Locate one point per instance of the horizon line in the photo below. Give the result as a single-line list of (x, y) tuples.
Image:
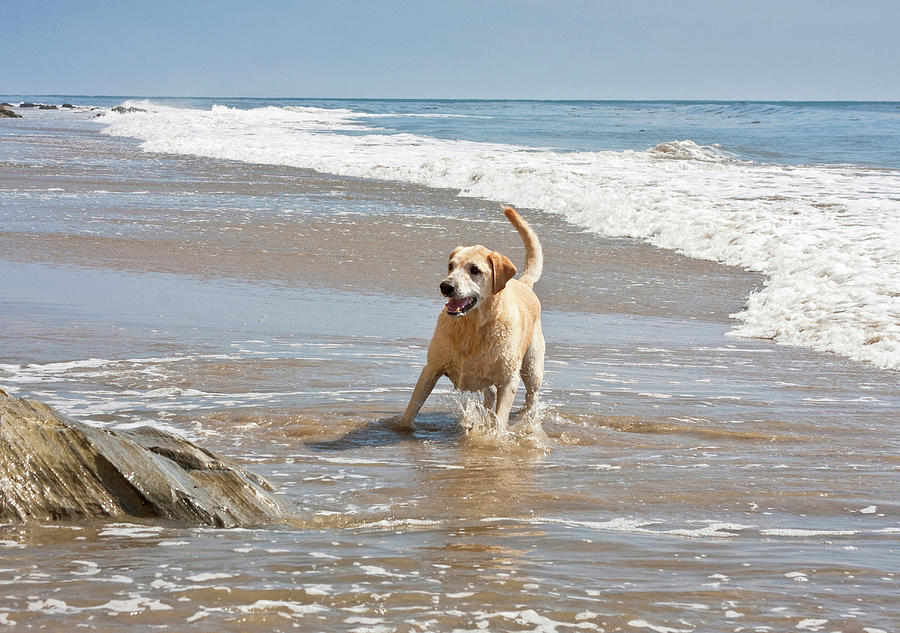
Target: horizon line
[(485, 99)]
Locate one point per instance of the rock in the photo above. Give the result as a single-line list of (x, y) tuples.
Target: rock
[(28, 104), (68, 106), (8, 114), (128, 110), (44, 106), (53, 467), (5, 105)]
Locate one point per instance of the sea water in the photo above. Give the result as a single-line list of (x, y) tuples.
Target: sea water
[(805, 193), (184, 267)]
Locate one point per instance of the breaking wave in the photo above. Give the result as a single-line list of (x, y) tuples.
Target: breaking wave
[(825, 237)]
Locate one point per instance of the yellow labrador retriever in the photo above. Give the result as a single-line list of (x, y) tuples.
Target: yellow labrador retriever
[(489, 333)]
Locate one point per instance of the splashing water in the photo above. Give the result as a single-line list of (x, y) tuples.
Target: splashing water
[(482, 429)]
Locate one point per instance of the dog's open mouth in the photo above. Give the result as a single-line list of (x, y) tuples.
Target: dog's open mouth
[(458, 307)]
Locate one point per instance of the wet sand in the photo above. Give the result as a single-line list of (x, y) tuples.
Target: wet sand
[(689, 481), (337, 233)]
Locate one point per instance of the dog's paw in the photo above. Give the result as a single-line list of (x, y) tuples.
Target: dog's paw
[(396, 422)]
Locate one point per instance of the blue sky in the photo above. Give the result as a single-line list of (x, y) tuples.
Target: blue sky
[(564, 49)]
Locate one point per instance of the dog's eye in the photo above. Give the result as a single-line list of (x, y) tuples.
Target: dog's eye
[(450, 267), (475, 270)]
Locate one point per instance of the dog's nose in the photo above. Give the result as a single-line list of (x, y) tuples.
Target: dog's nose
[(447, 288)]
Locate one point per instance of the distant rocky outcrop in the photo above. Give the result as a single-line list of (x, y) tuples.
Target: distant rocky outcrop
[(53, 467), (128, 110), (6, 113), (38, 106)]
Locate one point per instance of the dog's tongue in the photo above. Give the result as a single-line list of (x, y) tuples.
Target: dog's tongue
[(455, 305)]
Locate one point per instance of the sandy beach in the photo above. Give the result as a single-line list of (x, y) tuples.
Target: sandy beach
[(688, 480)]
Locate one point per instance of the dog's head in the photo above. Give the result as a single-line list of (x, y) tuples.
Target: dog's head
[(474, 274)]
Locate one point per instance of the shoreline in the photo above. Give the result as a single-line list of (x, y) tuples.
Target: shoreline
[(794, 300), (586, 272)]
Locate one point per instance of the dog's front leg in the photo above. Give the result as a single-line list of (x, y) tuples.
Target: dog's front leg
[(427, 380), (506, 394)]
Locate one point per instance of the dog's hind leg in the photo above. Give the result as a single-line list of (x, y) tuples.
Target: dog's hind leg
[(490, 398), (533, 368)]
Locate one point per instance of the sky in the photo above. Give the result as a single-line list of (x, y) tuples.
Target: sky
[(455, 49)]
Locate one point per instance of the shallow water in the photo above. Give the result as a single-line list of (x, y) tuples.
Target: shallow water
[(688, 480)]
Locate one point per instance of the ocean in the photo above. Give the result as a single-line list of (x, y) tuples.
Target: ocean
[(717, 445), (805, 193)]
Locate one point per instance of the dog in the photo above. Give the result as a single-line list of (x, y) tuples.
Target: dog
[(489, 332)]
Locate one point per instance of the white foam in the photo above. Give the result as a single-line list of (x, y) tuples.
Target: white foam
[(405, 524), (91, 568), (825, 237), (206, 577), (130, 530), (287, 609), (52, 606), (375, 570), (801, 533), (707, 529), (135, 604), (282, 606), (52, 368), (712, 529), (355, 461), (539, 622), (658, 628)]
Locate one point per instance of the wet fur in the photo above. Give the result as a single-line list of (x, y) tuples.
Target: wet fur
[(499, 339)]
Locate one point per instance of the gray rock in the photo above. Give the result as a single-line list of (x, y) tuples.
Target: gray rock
[(8, 114), (53, 467), (128, 110)]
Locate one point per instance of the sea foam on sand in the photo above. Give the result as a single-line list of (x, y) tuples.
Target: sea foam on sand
[(825, 237)]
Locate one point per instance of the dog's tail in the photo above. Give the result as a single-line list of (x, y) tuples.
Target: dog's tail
[(534, 254)]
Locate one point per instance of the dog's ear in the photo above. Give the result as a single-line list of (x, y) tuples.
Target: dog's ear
[(503, 270)]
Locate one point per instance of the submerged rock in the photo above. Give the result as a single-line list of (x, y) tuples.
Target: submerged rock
[(8, 114), (52, 467)]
